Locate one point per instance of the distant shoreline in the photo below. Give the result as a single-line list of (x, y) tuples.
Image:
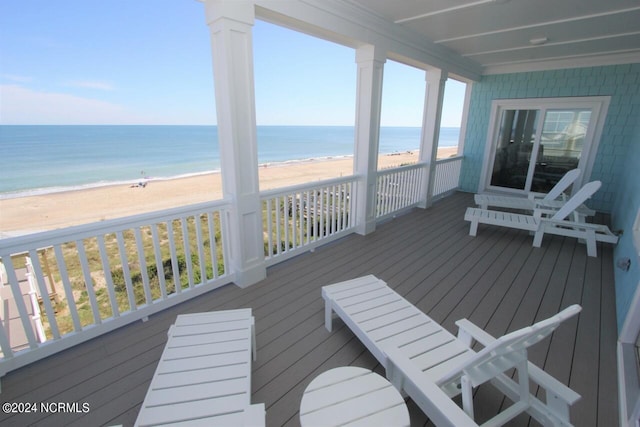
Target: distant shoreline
[(28, 214), (149, 179), (43, 159)]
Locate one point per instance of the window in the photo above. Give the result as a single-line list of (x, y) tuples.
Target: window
[(534, 142)]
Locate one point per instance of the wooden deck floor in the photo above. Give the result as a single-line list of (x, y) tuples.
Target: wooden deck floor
[(497, 280)]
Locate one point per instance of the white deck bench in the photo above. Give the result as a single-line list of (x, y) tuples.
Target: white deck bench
[(204, 374)]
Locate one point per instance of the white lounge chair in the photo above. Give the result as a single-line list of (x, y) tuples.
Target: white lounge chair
[(548, 221), (204, 373), (431, 365), (553, 200)]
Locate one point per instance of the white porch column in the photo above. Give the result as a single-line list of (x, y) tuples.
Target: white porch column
[(230, 24), (370, 60), (434, 96)]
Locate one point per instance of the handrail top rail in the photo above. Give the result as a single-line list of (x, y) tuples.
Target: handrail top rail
[(450, 159), (417, 165), (283, 191), (42, 239)]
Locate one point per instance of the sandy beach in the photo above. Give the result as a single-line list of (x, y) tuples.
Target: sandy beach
[(58, 210)]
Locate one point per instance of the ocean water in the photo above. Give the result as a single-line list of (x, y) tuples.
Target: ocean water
[(42, 159)]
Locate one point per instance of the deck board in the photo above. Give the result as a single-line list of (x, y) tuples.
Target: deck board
[(497, 280)]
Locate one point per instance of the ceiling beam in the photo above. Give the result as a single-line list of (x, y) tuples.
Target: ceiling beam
[(446, 10), (539, 24)]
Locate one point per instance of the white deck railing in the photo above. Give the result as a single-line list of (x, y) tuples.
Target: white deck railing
[(302, 217), (447, 176), (70, 285), (94, 278), (399, 188)]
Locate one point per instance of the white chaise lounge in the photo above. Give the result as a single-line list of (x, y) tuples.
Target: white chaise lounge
[(553, 200), (551, 222), (204, 373), (431, 365)]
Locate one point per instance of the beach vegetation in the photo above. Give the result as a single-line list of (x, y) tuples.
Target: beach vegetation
[(294, 221), (130, 265), (121, 271)]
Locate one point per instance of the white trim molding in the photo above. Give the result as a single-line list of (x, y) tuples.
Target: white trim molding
[(598, 105), (629, 366)]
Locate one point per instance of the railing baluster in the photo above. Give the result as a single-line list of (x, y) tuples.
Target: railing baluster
[(159, 263), (396, 189), (269, 221), (106, 268), (278, 231), (315, 215), (334, 209), (88, 280), (349, 204), (199, 241), (184, 222), (33, 299), (68, 291), (44, 292), (287, 223), (125, 271), (5, 345), (224, 236), (293, 221), (344, 200), (19, 301), (385, 199), (175, 270), (307, 215), (143, 266), (213, 246), (323, 226), (301, 219)]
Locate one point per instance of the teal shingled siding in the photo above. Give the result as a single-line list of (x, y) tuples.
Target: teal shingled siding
[(617, 162)]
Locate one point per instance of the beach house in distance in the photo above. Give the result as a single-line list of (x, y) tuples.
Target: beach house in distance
[(552, 85)]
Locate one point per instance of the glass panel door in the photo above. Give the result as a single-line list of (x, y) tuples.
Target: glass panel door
[(561, 144), (533, 142), (514, 146)]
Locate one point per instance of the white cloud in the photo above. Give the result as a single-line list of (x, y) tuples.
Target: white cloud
[(20, 105), (17, 78)]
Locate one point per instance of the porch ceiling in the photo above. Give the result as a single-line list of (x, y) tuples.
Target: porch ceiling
[(514, 35)]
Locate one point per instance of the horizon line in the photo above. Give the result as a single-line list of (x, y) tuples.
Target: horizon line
[(210, 125)]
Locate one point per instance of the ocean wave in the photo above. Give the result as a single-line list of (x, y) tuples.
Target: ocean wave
[(56, 159), (150, 179), (147, 179), (99, 184)]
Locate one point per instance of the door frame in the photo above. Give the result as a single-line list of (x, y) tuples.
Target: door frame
[(598, 105)]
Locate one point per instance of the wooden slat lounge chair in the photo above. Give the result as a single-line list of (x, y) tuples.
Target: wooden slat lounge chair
[(204, 373), (431, 365), (553, 200), (545, 221)]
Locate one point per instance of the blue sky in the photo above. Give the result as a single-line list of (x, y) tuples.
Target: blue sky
[(149, 62)]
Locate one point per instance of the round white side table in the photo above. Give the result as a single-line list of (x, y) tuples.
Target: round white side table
[(352, 396)]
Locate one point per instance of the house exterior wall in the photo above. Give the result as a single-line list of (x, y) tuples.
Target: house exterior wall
[(625, 208), (621, 82), (618, 157)]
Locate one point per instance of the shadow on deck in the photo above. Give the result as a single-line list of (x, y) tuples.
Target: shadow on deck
[(497, 280)]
